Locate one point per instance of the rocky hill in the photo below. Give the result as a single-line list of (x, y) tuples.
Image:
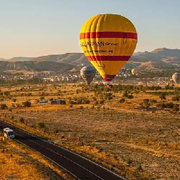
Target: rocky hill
[(161, 58), (21, 58), (34, 66), (68, 58), (158, 59)]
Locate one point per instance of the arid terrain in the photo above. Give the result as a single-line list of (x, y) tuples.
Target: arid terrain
[(133, 130), (19, 162), (160, 59)]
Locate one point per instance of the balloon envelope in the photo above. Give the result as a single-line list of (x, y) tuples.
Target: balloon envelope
[(88, 73), (134, 72), (108, 41), (176, 78)]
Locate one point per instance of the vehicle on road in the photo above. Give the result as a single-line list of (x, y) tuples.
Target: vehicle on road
[(8, 133)]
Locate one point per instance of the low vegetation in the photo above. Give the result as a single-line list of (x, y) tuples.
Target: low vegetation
[(133, 130), (18, 162)]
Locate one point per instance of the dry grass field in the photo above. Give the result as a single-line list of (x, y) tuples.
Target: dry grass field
[(134, 137), (18, 162)]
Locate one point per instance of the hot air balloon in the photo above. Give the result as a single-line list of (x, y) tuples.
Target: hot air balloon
[(88, 73), (108, 41), (134, 72), (176, 78)]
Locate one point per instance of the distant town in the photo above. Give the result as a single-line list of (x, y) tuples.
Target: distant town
[(123, 77)]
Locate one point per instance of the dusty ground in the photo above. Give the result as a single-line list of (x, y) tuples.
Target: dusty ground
[(139, 145), (18, 162), (136, 144)]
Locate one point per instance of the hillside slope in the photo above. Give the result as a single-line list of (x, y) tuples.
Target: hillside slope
[(159, 59), (34, 66)]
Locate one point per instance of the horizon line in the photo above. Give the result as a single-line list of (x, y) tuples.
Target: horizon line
[(77, 53)]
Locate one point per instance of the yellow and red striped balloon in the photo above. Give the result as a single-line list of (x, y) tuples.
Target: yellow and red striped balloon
[(108, 41)]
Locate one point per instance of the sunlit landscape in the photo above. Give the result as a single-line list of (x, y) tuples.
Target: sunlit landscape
[(89, 90), (127, 128)]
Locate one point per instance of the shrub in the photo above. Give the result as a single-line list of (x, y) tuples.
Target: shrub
[(122, 100), (33, 126), (10, 109), (125, 94), (161, 105), (108, 96), (72, 102), (176, 107), (152, 101), (139, 167), (129, 161), (41, 98), (13, 106), (26, 104), (6, 93), (41, 125), (169, 87), (86, 101), (162, 96), (56, 131), (78, 91), (96, 103), (169, 105), (176, 98), (21, 120), (3, 106), (102, 101), (130, 96), (146, 102)]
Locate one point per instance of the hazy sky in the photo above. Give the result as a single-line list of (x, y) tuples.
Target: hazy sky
[(41, 27)]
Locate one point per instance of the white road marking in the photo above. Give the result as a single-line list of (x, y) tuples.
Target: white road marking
[(72, 153), (64, 157)]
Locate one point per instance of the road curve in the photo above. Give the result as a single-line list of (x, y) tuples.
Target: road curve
[(78, 166)]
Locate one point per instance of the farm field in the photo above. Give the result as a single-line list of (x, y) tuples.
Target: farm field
[(133, 130)]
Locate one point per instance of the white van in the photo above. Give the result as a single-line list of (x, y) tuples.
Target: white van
[(8, 133)]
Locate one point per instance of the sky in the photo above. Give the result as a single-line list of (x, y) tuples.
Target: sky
[(32, 28)]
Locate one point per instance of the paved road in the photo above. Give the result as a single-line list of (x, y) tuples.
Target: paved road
[(78, 166)]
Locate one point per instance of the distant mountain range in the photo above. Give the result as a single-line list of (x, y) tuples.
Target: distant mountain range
[(159, 59), (34, 66), (17, 59)]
